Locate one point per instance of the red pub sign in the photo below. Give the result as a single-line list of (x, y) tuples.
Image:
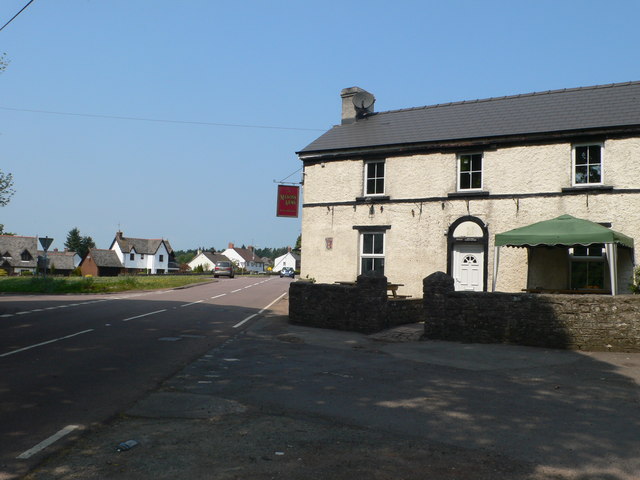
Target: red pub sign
[(287, 201)]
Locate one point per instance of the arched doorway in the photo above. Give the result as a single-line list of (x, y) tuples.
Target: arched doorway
[(467, 253)]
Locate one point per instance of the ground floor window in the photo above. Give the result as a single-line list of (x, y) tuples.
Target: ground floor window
[(372, 252), (588, 267)]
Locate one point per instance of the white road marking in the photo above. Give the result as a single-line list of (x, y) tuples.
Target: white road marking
[(260, 312), (218, 296), (144, 315), (6, 315), (192, 303), (234, 291), (49, 441), (45, 343), (245, 320), (22, 313)]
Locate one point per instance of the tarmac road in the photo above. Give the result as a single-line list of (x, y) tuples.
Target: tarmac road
[(70, 362), (280, 401)]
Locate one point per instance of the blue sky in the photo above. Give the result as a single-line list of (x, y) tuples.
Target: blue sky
[(275, 70)]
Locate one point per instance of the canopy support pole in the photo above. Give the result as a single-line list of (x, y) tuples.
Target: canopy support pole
[(496, 260), (611, 250)]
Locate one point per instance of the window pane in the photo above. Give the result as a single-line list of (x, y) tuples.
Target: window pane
[(371, 186), (594, 174), (378, 243), (465, 163), (465, 180), (581, 155), (371, 170), (581, 174), (476, 163), (367, 265), (579, 274), (367, 243), (594, 154), (379, 185), (476, 180), (596, 274)]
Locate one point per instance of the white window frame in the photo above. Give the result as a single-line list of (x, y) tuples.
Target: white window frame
[(460, 172), (367, 178), (371, 255), (573, 164)]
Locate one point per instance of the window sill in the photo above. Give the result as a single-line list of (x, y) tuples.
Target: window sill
[(470, 193), (372, 198), (587, 188)]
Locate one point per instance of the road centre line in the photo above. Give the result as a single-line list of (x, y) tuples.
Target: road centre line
[(192, 303), (218, 296), (245, 320), (144, 315), (259, 313), (45, 343), (234, 291), (49, 441)]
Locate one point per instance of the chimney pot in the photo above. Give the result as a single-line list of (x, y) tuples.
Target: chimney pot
[(231, 245)]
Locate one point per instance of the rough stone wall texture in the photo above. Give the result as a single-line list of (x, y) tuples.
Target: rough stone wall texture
[(583, 322), (363, 307)]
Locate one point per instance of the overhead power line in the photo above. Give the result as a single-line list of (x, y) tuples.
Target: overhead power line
[(161, 120), (12, 18)]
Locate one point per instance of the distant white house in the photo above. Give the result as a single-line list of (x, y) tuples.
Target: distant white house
[(245, 258), (207, 260), (287, 260), (143, 255)]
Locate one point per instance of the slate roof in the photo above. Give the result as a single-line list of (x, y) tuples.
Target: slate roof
[(14, 245), (104, 258), (61, 260), (600, 106), (215, 257), (248, 255), (148, 246)]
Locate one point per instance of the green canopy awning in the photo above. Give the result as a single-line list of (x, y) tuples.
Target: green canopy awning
[(564, 230)]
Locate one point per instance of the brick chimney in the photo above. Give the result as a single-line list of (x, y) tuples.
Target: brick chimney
[(231, 245), (119, 235), (289, 249), (351, 113)]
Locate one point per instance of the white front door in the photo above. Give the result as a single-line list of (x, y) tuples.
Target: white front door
[(468, 267)]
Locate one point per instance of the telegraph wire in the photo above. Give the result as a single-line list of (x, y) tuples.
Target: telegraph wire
[(160, 120), (12, 18)]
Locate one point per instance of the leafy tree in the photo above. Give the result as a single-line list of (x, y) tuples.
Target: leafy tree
[(298, 243), (2, 232), (77, 243), (6, 188)]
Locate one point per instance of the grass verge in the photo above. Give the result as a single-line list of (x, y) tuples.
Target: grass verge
[(93, 284)]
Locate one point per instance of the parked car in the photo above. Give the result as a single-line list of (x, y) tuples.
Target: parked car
[(287, 272), (223, 268)]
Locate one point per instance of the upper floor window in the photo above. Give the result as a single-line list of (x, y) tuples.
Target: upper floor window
[(470, 171), (374, 178), (372, 252), (162, 258), (25, 256), (141, 256), (587, 164), (132, 256)]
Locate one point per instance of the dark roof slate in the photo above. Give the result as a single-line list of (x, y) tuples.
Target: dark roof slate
[(141, 245), (14, 245), (614, 105), (104, 258), (61, 260)]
